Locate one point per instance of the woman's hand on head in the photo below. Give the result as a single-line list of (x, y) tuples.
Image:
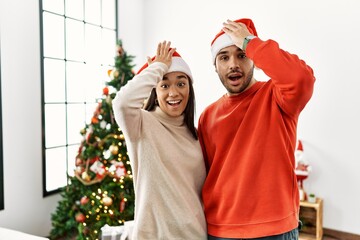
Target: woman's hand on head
[(163, 54)]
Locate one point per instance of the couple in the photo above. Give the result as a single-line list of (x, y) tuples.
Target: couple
[(232, 177)]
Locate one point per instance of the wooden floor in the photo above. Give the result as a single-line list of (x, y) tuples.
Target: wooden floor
[(330, 238), (307, 237)]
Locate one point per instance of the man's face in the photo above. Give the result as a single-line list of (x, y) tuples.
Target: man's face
[(235, 70)]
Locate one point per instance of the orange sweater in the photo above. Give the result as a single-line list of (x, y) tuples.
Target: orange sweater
[(248, 143)]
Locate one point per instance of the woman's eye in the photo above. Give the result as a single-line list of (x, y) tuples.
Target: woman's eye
[(181, 84), (164, 86)]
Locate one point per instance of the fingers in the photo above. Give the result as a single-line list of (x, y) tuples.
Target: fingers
[(237, 31), (163, 48), (164, 53), (233, 26)]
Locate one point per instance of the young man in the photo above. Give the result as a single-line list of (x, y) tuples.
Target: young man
[(248, 137)]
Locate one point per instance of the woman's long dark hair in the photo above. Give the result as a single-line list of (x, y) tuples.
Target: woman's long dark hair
[(189, 112)]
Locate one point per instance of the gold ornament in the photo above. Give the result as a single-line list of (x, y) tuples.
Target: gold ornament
[(116, 73), (107, 201), (85, 176), (114, 149)]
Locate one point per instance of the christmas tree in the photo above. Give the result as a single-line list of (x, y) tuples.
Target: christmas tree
[(101, 190)]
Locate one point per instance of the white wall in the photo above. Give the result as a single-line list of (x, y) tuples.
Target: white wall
[(325, 33), (131, 28), (25, 208)]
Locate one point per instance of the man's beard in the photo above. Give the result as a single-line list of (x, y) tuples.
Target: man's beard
[(245, 84)]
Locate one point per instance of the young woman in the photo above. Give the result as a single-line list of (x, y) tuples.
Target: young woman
[(165, 154)]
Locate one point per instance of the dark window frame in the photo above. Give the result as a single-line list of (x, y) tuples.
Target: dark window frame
[(44, 175)]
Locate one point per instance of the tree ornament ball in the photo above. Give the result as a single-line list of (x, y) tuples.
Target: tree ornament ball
[(114, 149), (80, 217), (107, 201), (106, 91), (116, 73), (84, 200), (85, 176), (83, 131), (86, 231)]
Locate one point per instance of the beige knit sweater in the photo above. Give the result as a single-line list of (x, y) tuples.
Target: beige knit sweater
[(167, 164)]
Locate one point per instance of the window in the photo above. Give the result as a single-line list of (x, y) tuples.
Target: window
[(1, 150), (78, 39)]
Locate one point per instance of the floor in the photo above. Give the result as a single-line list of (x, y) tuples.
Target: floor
[(329, 238), (306, 237)]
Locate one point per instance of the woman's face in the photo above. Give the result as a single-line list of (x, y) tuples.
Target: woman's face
[(173, 93)]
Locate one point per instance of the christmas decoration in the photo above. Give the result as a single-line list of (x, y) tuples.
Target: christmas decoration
[(84, 200), (79, 217), (101, 190), (302, 169), (107, 201)]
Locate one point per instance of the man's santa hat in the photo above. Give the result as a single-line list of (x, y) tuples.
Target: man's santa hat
[(222, 40), (177, 65)]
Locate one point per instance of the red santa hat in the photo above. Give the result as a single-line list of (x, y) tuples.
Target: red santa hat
[(222, 40), (177, 65)]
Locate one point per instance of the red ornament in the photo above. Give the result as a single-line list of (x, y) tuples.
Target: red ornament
[(80, 217), (84, 200), (122, 205), (106, 91), (94, 120)]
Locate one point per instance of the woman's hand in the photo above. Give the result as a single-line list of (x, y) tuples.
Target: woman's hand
[(163, 53)]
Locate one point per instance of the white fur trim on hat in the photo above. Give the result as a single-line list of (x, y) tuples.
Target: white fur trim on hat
[(221, 42), (179, 65)]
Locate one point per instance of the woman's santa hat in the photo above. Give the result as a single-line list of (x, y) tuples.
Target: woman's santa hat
[(177, 65), (222, 40)]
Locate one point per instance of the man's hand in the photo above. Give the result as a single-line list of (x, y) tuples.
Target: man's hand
[(237, 32), (163, 54)]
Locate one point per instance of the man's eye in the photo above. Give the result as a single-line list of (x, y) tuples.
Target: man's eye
[(242, 56), (223, 58)]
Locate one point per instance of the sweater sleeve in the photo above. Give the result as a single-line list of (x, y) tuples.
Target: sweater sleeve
[(292, 78), (129, 101)]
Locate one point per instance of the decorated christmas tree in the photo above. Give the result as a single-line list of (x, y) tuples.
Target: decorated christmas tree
[(101, 190)]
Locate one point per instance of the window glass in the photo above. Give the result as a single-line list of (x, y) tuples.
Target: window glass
[(74, 40), (55, 6), (53, 34), (54, 80), (76, 121), (55, 168), (108, 14), (92, 11), (75, 9), (76, 77), (55, 125)]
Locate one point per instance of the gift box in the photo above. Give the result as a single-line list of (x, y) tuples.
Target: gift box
[(111, 232)]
